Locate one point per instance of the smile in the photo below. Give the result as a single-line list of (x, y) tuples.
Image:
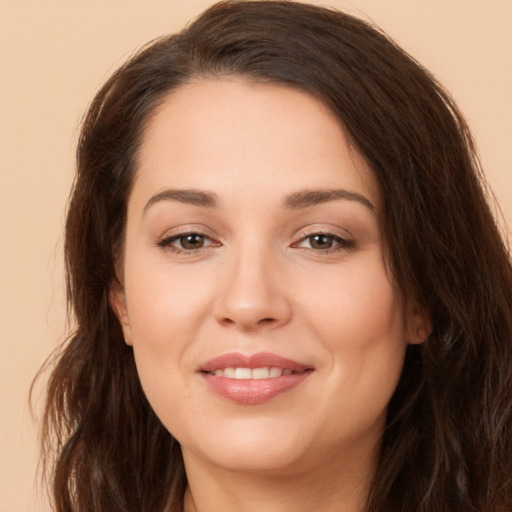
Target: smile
[(248, 373), (251, 380)]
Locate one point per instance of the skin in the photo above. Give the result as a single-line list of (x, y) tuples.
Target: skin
[(256, 281)]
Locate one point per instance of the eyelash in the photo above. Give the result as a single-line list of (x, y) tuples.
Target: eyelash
[(341, 244), (166, 243)]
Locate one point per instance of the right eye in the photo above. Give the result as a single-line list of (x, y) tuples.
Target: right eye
[(186, 242)]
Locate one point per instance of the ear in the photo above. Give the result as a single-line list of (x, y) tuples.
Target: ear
[(419, 323), (117, 300)]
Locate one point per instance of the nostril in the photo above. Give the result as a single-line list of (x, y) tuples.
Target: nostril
[(266, 320), (247, 324)]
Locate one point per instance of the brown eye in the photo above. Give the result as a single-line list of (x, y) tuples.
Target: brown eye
[(191, 241), (187, 242), (324, 243), (321, 241)]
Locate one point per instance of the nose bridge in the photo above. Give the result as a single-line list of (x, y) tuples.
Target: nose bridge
[(253, 295)]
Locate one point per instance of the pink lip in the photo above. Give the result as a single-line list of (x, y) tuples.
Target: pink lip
[(253, 391), (260, 360)]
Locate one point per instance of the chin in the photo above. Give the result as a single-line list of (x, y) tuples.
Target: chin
[(256, 447)]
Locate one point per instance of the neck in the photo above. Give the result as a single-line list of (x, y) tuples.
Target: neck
[(334, 486)]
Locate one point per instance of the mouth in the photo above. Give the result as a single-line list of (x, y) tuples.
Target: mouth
[(250, 380), (253, 373)]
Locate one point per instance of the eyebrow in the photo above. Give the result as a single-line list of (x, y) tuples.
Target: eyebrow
[(295, 201), (186, 196), (308, 198)]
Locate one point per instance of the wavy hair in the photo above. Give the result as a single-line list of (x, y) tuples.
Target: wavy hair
[(447, 446)]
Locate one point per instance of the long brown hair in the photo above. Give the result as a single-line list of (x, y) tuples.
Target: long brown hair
[(448, 442)]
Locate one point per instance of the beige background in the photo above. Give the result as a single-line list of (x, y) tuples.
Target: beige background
[(55, 54)]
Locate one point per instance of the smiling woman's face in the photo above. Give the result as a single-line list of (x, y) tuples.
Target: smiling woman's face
[(265, 328)]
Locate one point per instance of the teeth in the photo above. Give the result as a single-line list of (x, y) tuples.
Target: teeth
[(242, 373), (248, 373), (229, 372), (276, 372), (260, 373)]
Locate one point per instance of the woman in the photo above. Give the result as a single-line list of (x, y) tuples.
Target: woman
[(289, 289)]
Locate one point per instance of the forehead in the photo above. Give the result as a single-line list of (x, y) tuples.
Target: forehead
[(247, 138)]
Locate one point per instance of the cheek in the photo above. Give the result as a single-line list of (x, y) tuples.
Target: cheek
[(160, 338), (165, 308), (164, 304), (357, 307), (359, 321)]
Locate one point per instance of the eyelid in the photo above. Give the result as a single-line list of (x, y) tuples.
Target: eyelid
[(323, 229), (165, 241), (344, 242), (169, 239)]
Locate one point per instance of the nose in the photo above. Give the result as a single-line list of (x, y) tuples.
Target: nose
[(253, 293)]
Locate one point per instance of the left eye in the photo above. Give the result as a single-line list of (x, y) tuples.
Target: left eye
[(187, 241), (322, 242)]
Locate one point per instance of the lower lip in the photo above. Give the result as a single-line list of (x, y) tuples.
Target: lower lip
[(253, 391)]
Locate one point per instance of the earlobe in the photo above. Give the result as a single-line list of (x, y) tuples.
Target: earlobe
[(117, 300), (419, 324)]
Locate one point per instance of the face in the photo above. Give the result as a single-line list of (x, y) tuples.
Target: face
[(266, 331)]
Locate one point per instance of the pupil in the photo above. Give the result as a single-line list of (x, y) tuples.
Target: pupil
[(321, 242), (192, 241)]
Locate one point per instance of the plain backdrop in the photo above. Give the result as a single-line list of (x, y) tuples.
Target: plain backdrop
[(54, 54)]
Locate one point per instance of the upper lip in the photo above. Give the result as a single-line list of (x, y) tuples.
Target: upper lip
[(259, 360)]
